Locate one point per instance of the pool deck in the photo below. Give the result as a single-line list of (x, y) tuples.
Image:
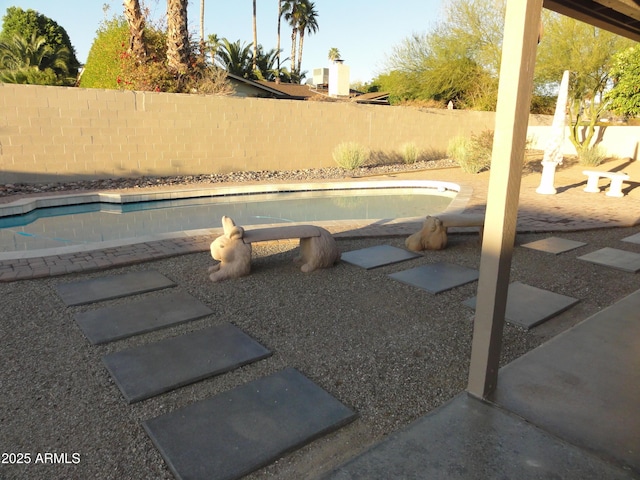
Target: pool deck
[(571, 209)]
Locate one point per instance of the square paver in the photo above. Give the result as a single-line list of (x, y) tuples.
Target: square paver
[(236, 432), (149, 370), (632, 239), (436, 277), (113, 323), (614, 258), (529, 306), (554, 245), (115, 286), (377, 256)]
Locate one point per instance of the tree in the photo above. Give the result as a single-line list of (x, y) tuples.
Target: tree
[(458, 60), (588, 53), (34, 61), (624, 97), (28, 23), (255, 38), (278, 40), (309, 24), (135, 19), (334, 54), (178, 48), (236, 58), (203, 43), (291, 12)]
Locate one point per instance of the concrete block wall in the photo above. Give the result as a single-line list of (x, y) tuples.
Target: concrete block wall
[(61, 134)]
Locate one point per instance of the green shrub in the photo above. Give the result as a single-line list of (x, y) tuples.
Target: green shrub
[(350, 155), (592, 157), (473, 154), (410, 153), (104, 63)]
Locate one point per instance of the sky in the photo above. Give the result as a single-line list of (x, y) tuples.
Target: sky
[(364, 32)]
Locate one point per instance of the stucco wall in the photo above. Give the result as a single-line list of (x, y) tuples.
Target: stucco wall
[(50, 134)]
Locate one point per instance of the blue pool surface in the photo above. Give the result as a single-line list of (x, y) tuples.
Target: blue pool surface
[(89, 223)]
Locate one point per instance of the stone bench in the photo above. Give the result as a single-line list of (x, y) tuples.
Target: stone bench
[(433, 235), (318, 248), (615, 188)]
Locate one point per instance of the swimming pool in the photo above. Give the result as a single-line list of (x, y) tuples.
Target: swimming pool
[(93, 219)]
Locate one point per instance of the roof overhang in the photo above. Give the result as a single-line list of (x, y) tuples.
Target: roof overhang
[(618, 16)]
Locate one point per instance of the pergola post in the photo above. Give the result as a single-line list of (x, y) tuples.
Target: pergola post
[(520, 39)]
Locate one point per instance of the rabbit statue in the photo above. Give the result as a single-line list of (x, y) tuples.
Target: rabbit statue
[(230, 250)]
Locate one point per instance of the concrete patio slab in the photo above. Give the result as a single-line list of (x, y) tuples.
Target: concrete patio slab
[(583, 385), (107, 324), (98, 289), (236, 432), (632, 239), (470, 439), (436, 277), (149, 370), (377, 256), (554, 245), (529, 306), (614, 258)]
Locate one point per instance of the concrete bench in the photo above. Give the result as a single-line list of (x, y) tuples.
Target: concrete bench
[(615, 188), (318, 248), (433, 235)]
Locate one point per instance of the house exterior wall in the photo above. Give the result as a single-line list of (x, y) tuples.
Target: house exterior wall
[(61, 134)]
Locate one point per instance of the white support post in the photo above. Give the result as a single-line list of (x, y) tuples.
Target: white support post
[(522, 27)]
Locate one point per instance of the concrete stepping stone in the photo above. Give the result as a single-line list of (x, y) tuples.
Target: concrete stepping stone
[(236, 432), (583, 385), (436, 277), (469, 438), (114, 323), (632, 239), (614, 258), (377, 256), (116, 286), (149, 370), (554, 245), (529, 306)]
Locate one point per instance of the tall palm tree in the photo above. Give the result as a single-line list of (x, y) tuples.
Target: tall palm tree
[(308, 23), (203, 43), (291, 12), (255, 38), (278, 42), (135, 19), (177, 36)]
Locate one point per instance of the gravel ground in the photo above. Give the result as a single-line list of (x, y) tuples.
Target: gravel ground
[(385, 349)]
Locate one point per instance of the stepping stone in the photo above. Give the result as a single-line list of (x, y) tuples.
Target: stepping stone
[(236, 432), (437, 277), (377, 256), (149, 370), (614, 258), (632, 239), (530, 306), (116, 286), (554, 245), (114, 323)]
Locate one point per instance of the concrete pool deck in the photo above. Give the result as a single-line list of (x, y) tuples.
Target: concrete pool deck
[(571, 209)]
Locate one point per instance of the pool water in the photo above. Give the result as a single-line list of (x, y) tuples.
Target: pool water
[(60, 226)]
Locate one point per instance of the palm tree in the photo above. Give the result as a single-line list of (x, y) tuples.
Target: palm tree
[(34, 61), (255, 37), (135, 19), (278, 42), (334, 54), (235, 58), (203, 44), (308, 23), (177, 36), (291, 12)]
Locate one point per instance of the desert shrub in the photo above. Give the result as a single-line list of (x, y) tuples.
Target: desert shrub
[(410, 153), (350, 155), (592, 157), (473, 154)]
